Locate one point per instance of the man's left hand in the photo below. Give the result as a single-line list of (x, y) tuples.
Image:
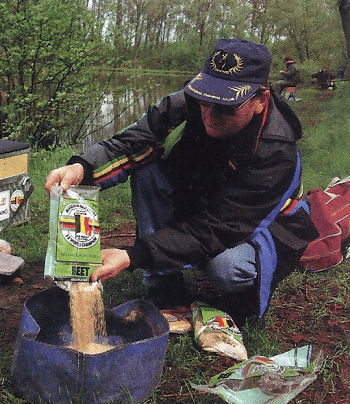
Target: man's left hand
[(114, 262)]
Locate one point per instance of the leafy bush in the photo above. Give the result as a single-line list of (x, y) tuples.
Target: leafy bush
[(47, 58)]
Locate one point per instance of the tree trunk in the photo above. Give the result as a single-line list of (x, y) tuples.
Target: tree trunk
[(2, 117), (344, 10)]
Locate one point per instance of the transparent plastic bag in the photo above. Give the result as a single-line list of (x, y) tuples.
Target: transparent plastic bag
[(259, 380)]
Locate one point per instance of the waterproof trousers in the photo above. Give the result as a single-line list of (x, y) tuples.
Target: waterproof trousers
[(232, 270)]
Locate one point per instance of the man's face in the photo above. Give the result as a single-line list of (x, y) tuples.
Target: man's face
[(221, 122)]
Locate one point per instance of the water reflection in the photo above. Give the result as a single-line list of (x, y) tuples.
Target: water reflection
[(127, 101)]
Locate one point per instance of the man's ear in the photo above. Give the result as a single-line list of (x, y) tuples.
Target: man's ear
[(262, 101)]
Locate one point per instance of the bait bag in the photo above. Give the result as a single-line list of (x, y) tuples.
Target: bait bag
[(73, 251), (215, 331)]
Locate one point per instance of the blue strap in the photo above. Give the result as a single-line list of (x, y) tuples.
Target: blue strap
[(265, 246), (266, 250), (288, 194)]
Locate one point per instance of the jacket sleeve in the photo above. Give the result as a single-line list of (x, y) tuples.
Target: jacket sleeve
[(109, 162)]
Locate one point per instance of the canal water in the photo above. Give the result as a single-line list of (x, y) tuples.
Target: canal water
[(126, 100)]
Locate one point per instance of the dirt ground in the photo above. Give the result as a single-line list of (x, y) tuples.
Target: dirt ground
[(331, 332), (30, 280)]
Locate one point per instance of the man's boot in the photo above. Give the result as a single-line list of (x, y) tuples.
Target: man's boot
[(170, 292), (242, 306)]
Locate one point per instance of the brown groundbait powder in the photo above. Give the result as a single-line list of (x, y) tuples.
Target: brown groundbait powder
[(87, 318)]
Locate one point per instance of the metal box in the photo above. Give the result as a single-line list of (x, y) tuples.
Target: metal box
[(15, 184)]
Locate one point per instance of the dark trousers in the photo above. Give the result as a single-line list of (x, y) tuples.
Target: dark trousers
[(233, 270)]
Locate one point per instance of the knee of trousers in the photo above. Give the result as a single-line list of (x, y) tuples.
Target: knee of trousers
[(234, 269)]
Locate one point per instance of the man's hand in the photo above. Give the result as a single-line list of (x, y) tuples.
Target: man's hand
[(65, 176), (114, 262)]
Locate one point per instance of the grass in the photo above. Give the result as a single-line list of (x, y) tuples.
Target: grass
[(325, 145), (325, 155)]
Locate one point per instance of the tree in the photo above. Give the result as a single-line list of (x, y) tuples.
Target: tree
[(262, 25), (309, 30), (47, 53), (344, 10)]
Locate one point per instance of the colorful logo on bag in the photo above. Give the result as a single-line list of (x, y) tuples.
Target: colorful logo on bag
[(79, 225), (260, 365), (227, 63), (221, 323), (17, 198)]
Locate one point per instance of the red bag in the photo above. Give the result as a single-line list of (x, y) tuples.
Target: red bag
[(330, 212)]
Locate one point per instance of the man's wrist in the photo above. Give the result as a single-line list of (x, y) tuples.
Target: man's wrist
[(139, 256), (88, 178)]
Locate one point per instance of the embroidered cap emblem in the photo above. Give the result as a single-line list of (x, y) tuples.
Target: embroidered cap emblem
[(226, 63), (241, 91)]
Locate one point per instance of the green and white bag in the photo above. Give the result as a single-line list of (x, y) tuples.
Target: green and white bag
[(73, 251)]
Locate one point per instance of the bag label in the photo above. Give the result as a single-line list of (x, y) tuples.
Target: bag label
[(79, 232), (78, 271)]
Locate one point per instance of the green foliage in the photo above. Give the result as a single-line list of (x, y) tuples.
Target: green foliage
[(181, 56), (301, 32), (325, 126), (47, 55), (53, 53)]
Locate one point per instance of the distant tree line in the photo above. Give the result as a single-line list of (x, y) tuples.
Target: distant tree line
[(52, 53)]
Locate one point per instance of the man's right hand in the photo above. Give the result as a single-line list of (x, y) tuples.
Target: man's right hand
[(65, 176)]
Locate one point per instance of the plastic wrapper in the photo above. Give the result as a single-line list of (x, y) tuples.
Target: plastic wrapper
[(215, 331), (73, 251), (260, 380), (180, 320)]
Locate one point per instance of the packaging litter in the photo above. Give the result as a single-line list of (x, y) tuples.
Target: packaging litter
[(215, 331), (179, 319), (259, 380)]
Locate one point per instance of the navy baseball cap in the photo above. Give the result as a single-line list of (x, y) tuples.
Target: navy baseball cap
[(232, 73)]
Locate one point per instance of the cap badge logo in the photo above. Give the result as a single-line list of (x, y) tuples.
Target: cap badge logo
[(241, 91), (224, 62)]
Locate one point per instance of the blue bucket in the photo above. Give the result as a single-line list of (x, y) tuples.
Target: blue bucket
[(44, 368)]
